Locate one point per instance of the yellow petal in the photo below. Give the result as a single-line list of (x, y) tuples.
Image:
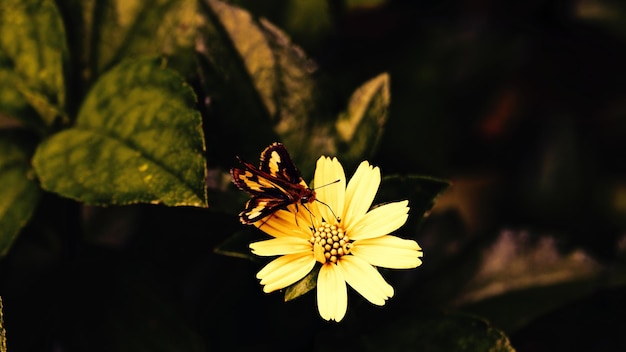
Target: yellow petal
[(284, 271), (291, 222), (331, 195), (332, 293), (379, 221), (389, 252), (318, 253), (365, 279), (360, 192), (280, 246)]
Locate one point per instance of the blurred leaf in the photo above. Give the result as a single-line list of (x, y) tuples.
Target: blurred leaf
[(605, 14), (361, 125), (293, 89), (364, 3), (514, 310), (448, 332), (231, 86), (3, 334), (421, 192), (238, 244), (308, 22), (42, 105), (33, 53), (256, 77), (137, 139), (128, 28), (522, 276), (14, 108), (19, 193), (303, 286)]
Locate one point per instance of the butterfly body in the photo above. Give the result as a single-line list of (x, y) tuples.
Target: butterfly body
[(274, 185)]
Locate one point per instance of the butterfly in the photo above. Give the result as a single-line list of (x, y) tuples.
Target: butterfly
[(274, 185)]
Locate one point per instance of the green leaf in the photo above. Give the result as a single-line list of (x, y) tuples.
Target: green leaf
[(14, 109), (360, 127), (256, 77), (238, 244), (421, 192), (303, 286), (19, 193), (137, 139), (444, 332), (33, 53), (229, 81), (309, 22), (129, 28), (355, 4)]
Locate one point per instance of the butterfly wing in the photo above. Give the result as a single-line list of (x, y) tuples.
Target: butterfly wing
[(275, 160), (268, 193), (259, 207), (260, 184), (274, 185)]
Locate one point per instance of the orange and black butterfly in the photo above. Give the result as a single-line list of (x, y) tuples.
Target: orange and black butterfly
[(276, 184)]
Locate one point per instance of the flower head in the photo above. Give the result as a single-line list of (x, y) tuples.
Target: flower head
[(341, 233)]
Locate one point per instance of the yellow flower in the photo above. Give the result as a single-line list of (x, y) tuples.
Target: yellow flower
[(348, 248)]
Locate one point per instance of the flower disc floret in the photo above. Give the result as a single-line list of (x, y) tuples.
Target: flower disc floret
[(331, 242)]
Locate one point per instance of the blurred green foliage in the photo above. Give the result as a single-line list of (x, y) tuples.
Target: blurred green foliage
[(120, 119)]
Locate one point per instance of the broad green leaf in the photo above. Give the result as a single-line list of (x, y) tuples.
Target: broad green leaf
[(19, 193), (137, 139), (128, 28), (361, 125), (303, 286), (33, 53)]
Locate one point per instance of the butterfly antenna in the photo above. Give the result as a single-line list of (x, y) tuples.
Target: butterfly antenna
[(331, 210), (328, 206), (328, 184)]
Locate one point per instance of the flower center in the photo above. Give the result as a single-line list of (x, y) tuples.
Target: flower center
[(330, 242)]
